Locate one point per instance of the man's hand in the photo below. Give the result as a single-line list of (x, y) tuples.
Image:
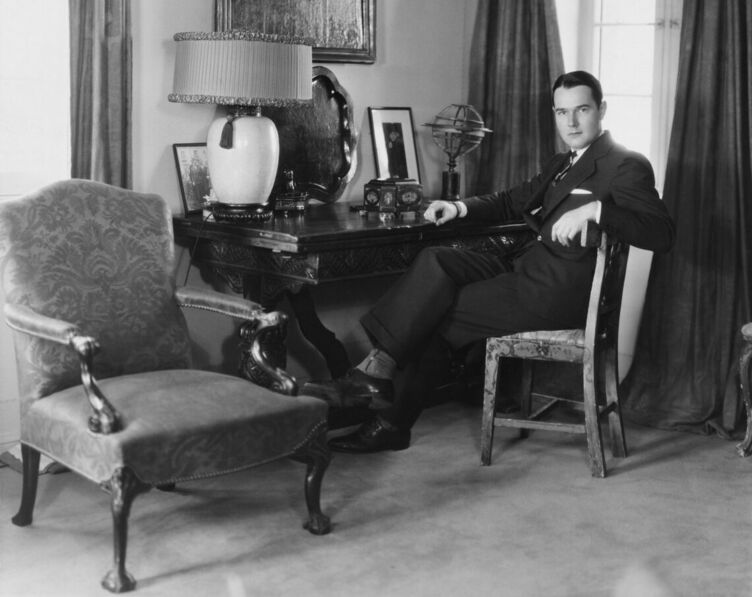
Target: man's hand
[(574, 222), (441, 212)]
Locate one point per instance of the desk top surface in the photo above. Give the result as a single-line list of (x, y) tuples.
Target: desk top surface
[(329, 226)]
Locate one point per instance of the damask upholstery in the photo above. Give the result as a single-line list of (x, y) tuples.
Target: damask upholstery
[(104, 358), (593, 347)]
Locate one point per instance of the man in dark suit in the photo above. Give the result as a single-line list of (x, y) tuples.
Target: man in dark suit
[(450, 298)]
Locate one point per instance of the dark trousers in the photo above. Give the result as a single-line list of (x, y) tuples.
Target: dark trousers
[(449, 298)]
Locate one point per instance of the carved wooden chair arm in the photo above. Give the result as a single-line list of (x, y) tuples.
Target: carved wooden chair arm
[(260, 323), (24, 319), (218, 302)]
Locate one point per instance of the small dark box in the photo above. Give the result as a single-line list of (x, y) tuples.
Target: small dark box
[(392, 195)]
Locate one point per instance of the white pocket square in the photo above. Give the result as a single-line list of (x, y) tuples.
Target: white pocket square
[(580, 192)]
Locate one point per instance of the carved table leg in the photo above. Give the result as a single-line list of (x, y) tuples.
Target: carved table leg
[(745, 447), (316, 333), (316, 455), (124, 486), (268, 293)]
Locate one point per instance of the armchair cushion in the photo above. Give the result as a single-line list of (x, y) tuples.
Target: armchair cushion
[(167, 412)]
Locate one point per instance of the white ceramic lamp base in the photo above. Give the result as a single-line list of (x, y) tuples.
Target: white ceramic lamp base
[(243, 174)]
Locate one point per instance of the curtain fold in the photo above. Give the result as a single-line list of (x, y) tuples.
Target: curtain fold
[(101, 89), (515, 57), (684, 374)]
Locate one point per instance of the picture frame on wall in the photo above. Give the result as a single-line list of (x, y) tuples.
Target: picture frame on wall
[(393, 138), (192, 166), (341, 30)]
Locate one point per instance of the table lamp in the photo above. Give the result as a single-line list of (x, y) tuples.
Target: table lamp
[(244, 71)]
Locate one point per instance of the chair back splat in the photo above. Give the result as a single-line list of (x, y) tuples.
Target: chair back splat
[(595, 348)]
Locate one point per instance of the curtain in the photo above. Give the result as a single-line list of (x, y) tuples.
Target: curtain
[(515, 57), (101, 65), (684, 374)]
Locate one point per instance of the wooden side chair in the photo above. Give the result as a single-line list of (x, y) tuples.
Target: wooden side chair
[(594, 347), (88, 270)]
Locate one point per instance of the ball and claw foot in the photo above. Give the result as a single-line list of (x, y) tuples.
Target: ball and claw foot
[(22, 519), (118, 583), (318, 524)]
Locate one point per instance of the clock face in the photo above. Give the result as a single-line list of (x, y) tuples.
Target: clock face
[(409, 197), (372, 197)]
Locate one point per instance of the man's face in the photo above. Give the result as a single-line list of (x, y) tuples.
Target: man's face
[(578, 119)]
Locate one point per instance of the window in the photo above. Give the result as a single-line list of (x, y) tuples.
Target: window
[(34, 97)]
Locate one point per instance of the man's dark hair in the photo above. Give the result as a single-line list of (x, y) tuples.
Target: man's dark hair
[(580, 77)]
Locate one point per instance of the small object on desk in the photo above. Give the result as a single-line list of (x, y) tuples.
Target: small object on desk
[(290, 200), (240, 213), (399, 196)]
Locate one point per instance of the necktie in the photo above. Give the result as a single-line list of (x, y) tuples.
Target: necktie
[(563, 172)]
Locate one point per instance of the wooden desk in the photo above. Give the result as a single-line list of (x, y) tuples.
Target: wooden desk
[(331, 242)]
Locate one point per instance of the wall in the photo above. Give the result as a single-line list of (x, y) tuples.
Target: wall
[(421, 63)]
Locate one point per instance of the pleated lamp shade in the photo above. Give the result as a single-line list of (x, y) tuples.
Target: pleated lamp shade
[(242, 69)]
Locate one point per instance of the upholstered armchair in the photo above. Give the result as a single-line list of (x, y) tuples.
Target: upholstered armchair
[(104, 359)]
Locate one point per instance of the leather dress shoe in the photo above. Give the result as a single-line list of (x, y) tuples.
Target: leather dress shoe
[(372, 436), (354, 389)]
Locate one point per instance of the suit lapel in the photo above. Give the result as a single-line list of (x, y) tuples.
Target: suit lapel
[(535, 204), (583, 169)]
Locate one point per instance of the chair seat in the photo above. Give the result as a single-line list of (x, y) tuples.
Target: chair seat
[(209, 423), (554, 345)]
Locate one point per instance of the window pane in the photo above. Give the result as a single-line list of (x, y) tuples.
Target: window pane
[(630, 121), (631, 11), (626, 64)]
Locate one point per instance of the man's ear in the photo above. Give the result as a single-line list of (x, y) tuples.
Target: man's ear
[(602, 109)]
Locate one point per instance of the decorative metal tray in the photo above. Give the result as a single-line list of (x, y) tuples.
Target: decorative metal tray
[(318, 141)]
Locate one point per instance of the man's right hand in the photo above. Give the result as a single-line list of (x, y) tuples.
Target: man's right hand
[(441, 212)]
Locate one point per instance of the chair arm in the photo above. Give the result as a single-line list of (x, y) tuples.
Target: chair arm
[(260, 325), (24, 319), (218, 302)]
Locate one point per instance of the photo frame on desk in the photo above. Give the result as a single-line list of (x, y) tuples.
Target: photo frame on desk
[(393, 138), (341, 30), (192, 165)]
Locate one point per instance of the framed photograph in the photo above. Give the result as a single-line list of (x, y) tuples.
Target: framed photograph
[(394, 143), (193, 175), (341, 30)]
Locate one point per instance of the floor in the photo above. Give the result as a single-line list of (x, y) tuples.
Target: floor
[(673, 519)]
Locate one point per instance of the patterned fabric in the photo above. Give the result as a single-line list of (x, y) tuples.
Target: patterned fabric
[(99, 257), (556, 345), (208, 423)]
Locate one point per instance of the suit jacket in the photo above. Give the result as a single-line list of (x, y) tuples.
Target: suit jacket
[(555, 280)]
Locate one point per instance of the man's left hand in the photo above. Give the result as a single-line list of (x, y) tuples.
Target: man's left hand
[(574, 222)]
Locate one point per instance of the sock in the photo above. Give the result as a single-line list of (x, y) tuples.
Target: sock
[(379, 364)]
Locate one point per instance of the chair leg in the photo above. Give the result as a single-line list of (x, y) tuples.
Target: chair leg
[(744, 448), (490, 382), (30, 460), (527, 394), (592, 420), (615, 423), (316, 455), (124, 487)]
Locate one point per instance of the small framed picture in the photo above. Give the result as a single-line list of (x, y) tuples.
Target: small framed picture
[(193, 175), (394, 143)]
